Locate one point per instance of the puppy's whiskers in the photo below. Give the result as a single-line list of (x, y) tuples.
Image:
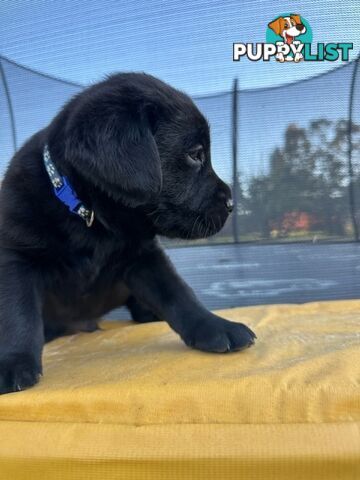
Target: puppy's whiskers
[(208, 228), (193, 227), (213, 222), (154, 211)]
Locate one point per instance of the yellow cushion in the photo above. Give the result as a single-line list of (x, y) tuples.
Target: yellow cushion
[(133, 402)]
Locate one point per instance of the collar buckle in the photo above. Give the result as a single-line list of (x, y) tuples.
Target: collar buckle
[(67, 195)]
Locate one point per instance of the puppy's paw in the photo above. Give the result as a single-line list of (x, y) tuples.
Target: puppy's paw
[(218, 335), (18, 372)]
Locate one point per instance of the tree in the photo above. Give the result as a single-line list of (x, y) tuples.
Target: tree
[(307, 178)]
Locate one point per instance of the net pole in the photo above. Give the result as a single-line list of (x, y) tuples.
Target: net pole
[(10, 106), (235, 94), (350, 150)]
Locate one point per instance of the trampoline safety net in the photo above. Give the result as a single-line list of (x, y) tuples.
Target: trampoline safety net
[(296, 177), (298, 169)]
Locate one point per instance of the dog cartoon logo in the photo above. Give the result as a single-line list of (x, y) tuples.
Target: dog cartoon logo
[(288, 39), (289, 28)]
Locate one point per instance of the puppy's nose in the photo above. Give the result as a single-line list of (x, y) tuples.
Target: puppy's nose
[(229, 205), (300, 27), (224, 195)]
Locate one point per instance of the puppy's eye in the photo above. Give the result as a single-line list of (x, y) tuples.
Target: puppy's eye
[(196, 155)]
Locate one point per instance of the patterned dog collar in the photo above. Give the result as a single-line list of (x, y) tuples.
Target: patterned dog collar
[(64, 191)]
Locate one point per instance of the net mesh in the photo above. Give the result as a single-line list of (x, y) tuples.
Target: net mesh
[(293, 181), (293, 140), (294, 171)]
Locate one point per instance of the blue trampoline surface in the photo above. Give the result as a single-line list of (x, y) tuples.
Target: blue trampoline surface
[(227, 276)]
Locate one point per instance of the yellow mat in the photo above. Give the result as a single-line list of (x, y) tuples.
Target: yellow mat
[(132, 402)]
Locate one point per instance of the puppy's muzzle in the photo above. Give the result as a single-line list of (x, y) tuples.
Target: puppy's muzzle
[(225, 197), (300, 27)]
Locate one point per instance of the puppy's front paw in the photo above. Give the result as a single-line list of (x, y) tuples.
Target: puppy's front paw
[(18, 372), (218, 335)]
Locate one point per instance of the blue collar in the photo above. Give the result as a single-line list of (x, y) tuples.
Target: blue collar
[(64, 191)]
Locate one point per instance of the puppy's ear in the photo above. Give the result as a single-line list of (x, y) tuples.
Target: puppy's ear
[(296, 18), (117, 152), (277, 25)]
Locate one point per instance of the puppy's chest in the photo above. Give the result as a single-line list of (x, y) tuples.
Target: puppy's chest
[(86, 269)]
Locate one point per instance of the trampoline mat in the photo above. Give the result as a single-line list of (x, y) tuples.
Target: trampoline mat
[(133, 402)]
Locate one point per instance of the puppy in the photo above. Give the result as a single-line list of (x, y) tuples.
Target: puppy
[(80, 207), (288, 28)]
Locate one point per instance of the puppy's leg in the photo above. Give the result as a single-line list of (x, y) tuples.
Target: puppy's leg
[(154, 282), (21, 328), (53, 332), (139, 312)]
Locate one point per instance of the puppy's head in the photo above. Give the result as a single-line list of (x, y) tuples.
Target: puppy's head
[(194, 202), (148, 146), (288, 27)]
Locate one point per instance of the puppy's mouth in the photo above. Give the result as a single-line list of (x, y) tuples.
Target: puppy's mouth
[(204, 226), (187, 225), (289, 39)]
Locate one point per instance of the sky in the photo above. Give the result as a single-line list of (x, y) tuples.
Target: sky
[(187, 43)]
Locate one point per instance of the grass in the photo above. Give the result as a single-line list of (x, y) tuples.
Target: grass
[(256, 238)]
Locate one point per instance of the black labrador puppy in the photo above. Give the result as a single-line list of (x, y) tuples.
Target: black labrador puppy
[(80, 207)]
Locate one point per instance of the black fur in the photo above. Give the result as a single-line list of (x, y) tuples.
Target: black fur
[(124, 145)]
